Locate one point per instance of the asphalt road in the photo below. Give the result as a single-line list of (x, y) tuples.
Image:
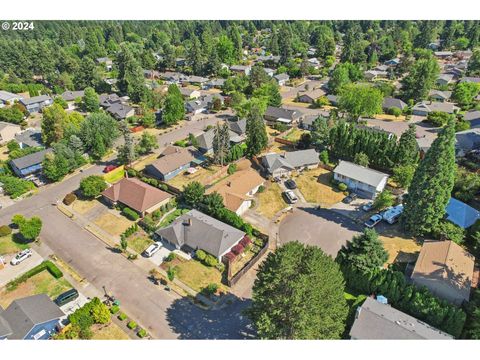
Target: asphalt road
[(164, 314)]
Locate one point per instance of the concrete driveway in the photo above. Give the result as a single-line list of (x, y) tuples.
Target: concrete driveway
[(323, 228), (11, 272), (159, 256)]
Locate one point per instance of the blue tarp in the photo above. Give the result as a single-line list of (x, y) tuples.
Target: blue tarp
[(461, 214), (382, 299)]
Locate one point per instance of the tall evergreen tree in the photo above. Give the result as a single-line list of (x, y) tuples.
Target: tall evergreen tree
[(420, 79), (407, 150), (256, 132), (130, 76), (221, 143), (174, 109), (126, 152), (432, 184)]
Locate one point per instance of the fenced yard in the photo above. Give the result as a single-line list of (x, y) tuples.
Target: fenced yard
[(270, 201), (202, 175), (315, 187)]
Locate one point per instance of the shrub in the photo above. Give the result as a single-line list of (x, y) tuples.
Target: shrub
[(245, 241), (237, 249), (122, 316), (5, 230), (324, 157), (447, 230), (231, 169), (69, 199), (210, 260), (230, 256), (200, 255), (130, 214), (342, 186), (220, 267), (132, 324), (170, 257), (163, 187), (114, 309), (261, 189), (142, 333), (53, 269), (210, 289), (258, 242), (92, 186)]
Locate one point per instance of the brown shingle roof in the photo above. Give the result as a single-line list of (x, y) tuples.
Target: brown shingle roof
[(172, 158), (135, 194)]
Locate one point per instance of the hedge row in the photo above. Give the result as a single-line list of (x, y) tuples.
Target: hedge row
[(130, 214), (46, 265)]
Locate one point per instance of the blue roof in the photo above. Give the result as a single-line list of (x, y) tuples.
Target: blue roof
[(461, 214)]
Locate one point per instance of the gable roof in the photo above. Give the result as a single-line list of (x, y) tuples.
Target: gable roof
[(461, 214), (4, 124), (390, 102), (468, 140), (35, 100), (238, 126), (448, 263), (281, 113), (30, 137), (119, 110), (23, 314), (472, 115), (135, 194), (31, 159), (376, 321), (106, 100), (435, 106), (291, 160), (172, 158), (445, 95), (281, 77), (470, 79), (72, 95), (197, 230), (313, 94), (8, 96), (360, 173)]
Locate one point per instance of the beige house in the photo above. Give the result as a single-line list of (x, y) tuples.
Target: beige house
[(8, 131), (446, 269)]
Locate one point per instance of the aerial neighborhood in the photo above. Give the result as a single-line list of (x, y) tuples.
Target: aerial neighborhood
[(231, 179)]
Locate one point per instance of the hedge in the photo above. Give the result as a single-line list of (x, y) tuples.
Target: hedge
[(114, 309), (415, 301), (122, 316), (46, 265), (142, 333), (132, 325), (130, 214)]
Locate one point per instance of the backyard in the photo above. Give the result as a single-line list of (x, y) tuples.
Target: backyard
[(9, 246), (172, 216), (202, 175), (270, 201), (294, 134), (42, 283), (315, 187), (400, 248)]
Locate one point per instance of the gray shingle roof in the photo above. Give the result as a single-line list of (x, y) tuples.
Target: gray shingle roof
[(8, 96), (5, 329), (360, 173), (281, 77), (390, 102), (30, 138), (197, 230), (239, 126), (472, 115), (31, 159), (468, 140), (72, 95), (291, 160), (281, 113), (119, 110), (35, 100), (376, 321)]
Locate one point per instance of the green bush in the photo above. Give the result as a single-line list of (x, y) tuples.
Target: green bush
[(220, 267), (69, 198), (114, 309), (210, 260), (142, 333), (231, 169), (46, 265), (132, 325), (53, 269), (122, 316), (5, 230), (200, 255), (342, 186), (261, 189), (210, 289), (170, 257), (130, 214)]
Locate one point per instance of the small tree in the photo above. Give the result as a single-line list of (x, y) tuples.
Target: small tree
[(92, 186), (28, 228), (171, 272), (193, 193), (123, 243), (403, 175), (383, 200), (361, 159)]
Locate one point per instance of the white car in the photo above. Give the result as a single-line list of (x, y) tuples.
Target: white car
[(22, 255), (152, 249), (290, 195), (374, 220)]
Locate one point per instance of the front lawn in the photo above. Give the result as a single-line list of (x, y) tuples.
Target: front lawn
[(139, 242), (270, 200), (112, 224), (42, 283), (9, 246), (115, 175), (400, 248), (315, 187), (110, 331), (84, 206)]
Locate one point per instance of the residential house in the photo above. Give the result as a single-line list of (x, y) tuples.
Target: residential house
[(172, 161), (314, 62), (285, 116), (196, 106), (107, 100), (238, 126), (8, 98), (105, 61), (71, 96), (311, 96), (443, 54), (37, 103), (173, 77), (390, 103), (137, 195), (29, 164), (307, 121), (195, 80), (269, 72), (214, 84), (363, 181), (151, 74), (180, 62), (8, 131), (371, 75), (238, 189), (446, 269), (461, 214), (282, 79), (205, 140), (444, 79), (473, 117), (241, 69), (466, 141), (198, 231), (333, 99), (29, 138), (425, 107), (392, 62), (375, 320), (30, 318), (121, 111), (284, 163), (273, 59), (189, 93), (438, 95)]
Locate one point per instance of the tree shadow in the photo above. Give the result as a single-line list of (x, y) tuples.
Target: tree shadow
[(114, 250), (192, 322), (334, 217)]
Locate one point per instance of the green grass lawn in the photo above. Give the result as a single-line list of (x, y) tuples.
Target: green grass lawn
[(139, 243), (172, 216), (115, 175), (9, 246)]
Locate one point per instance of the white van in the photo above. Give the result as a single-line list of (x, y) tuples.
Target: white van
[(392, 215)]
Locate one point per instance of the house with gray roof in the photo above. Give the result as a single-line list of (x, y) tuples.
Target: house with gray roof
[(281, 79), (71, 96), (285, 116), (363, 181), (214, 83), (473, 117), (307, 121), (107, 100), (444, 79), (205, 140), (31, 318), (438, 95), (238, 126), (195, 80), (29, 164), (29, 138), (378, 321), (107, 62), (471, 79), (466, 141), (121, 111), (196, 230), (37, 103), (311, 96), (284, 163), (390, 103), (8, 98), (425, 107), (241, 69)]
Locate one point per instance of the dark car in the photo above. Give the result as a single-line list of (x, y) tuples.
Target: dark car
[(290, 184), (66, 297), (349, 198)]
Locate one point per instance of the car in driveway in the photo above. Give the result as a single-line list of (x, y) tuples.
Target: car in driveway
[(291, 197), (152, 249), (349, 198), (290, 184), (109, 168), (21, 256), (374, 220), (66, 297), (368, 206)]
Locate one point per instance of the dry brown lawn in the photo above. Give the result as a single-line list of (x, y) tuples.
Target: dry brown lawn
[(110, 331), (389, 117), (140, 165), (399, 247), (202, 176), (315, 187), (270, 200), (3, 153), (294, 134), (113, 224), (84, 206)]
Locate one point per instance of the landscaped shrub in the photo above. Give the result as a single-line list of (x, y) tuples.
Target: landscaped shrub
[(210, 289), (342, 186), (170, 257), (5, 230), (258, 242), (210, 260), (163, 187), (130, 214), (114, 309), (230, 256), (122, 316), (200, 255), (69, 198), (231, 169), (132, 325), (245, 241), (142, 333), (53, 269), (237, 249), (220, 267), (261, 189)]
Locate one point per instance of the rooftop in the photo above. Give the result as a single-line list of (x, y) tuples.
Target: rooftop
[(360, 173)]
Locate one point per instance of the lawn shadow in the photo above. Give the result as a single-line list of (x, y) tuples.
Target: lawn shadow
[(333, 216), (114, 250)]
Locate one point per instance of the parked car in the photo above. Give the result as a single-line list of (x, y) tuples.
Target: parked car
[(392, 215), (290, 184), (277, 179), (21, 256), (66, 297), (152, 249), (368, 206), (291, 197), (109, 168), (349, 198), (374, 220)]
